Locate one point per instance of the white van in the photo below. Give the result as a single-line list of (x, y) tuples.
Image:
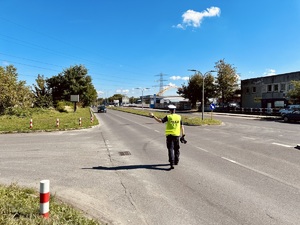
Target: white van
[(289, 109)]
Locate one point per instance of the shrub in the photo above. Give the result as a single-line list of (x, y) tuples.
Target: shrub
[(61, 106)]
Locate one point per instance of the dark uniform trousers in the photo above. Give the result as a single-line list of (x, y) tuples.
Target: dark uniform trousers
[(173, 148)]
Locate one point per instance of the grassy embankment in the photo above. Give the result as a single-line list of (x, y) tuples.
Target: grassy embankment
[(46, 120), (187, 119), (21, 205)]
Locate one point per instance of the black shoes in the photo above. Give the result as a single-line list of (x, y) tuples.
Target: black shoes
[(171, 167)]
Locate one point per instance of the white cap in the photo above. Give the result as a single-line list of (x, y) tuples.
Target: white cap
[(171, 106)]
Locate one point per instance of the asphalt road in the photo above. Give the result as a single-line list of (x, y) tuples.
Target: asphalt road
[(245, 171)]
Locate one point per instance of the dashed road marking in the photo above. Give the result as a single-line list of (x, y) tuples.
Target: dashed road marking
[(230, 160), (202, 149), (283, 145), (251, 138), (263, 173)]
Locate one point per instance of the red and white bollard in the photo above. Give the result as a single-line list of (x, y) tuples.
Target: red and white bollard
[(92, 119), (44, 198), (80, 121), (57, 122), (30, 124)]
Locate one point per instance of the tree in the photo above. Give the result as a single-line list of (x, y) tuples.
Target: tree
[(193, 90), (73, 81), (13, 93), (226, 80), (57, 85), (294, 93), (115, 97), (42, 93), (133, 100)]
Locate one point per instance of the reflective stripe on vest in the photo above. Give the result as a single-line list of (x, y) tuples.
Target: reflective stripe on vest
[(173, 125)]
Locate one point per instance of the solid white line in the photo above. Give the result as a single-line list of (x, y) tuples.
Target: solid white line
[(287, 146), (157, 131)]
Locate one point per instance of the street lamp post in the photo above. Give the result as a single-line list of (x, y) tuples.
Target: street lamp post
[(143, 95), (203, 76)]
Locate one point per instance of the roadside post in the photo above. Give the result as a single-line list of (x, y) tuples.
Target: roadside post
[(212, 107), (74, 98), (44, 198)]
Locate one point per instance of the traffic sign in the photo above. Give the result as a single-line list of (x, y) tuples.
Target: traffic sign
[(212, 106)]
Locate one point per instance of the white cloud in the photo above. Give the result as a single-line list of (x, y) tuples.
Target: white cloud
[(179, 26), (100, 92), (269, 72), (193, 18), (175, 78), (171, 85), (179, 78), (122, 91)]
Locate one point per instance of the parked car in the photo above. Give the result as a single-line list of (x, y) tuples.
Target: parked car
[(293, 116), (101, 108), (233, 105), (289, 109)]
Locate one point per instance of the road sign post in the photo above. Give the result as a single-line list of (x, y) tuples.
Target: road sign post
[(74, 98), (212, 107)]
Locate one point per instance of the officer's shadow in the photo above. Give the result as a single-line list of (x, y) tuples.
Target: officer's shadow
[(133, 167)]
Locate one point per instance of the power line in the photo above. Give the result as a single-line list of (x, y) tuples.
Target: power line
[(95, 76), (24, 64), (61, 41), (161, 81), (50, 64), (31, 45)]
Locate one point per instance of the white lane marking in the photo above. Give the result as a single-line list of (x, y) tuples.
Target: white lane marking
[(230, 160), (202, 149), (157, 131), (283, 145), (262, 173), (249, 138)]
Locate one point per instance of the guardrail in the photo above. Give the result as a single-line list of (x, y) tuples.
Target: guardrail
[(254, 111)]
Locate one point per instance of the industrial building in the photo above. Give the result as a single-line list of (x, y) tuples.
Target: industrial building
[(162, 102), (268, 91)]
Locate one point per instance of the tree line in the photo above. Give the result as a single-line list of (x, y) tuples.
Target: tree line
[(47, 92), (224, 87)]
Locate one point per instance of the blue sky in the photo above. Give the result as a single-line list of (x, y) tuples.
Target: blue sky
[(128, 44)]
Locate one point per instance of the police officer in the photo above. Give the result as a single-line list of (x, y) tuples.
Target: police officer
[(173, 129)]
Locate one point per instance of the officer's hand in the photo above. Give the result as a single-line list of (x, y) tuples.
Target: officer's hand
[(182, 139)]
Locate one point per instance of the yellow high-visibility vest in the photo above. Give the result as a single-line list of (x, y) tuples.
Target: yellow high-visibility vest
[(173, 125)]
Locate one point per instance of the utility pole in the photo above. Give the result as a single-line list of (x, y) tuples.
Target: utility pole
[(203, 77)]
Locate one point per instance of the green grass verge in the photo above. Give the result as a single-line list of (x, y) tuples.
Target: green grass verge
[(45, 120), (190, 120), (21, 206)]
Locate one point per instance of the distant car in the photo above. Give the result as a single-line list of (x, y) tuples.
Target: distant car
[(293, 116), (289, 109), (285, 111), (101, 108), (233, 105)]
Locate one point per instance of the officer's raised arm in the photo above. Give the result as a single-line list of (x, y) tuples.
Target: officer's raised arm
[(156, 118)]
